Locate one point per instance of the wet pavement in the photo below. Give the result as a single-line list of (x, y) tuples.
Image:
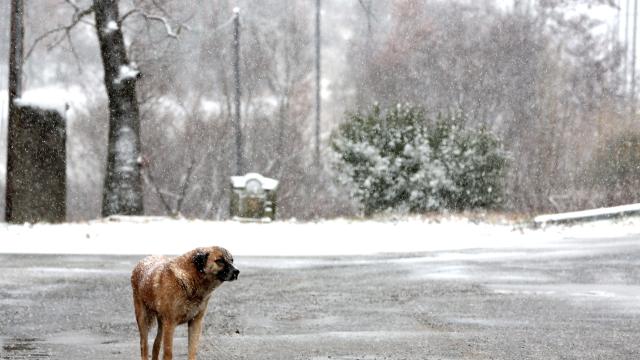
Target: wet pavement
[(579, 300)]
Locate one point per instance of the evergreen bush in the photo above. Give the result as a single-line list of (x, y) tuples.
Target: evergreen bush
[(398, 160)]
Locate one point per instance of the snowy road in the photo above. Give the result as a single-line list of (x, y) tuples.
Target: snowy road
[(572, 298)]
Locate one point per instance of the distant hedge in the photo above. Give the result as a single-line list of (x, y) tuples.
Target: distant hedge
[(398, 160)]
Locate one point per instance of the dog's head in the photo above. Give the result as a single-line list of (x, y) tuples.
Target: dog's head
[(215, 261)]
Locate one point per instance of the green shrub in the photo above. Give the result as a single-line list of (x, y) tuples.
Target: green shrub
[(398, 160)]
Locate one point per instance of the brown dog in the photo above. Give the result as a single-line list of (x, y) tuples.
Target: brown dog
[(177, 291)]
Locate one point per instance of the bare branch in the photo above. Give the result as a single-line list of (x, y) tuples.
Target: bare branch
[(148, 177), (162, 10), (185, 184), (126, 15), (74, 52), (73, 4), (77, 17), (149, 17), (367, 9)]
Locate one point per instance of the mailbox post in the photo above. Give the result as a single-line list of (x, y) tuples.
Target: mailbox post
[(253, 197)]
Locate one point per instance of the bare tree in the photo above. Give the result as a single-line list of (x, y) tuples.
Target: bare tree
[(122, 191), (123, 181)]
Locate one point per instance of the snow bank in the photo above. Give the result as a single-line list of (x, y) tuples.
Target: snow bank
[(145, 235)]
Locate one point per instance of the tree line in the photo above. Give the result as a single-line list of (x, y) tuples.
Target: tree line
[(551, 87)]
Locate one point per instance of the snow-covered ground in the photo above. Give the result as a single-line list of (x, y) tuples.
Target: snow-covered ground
[(500, 289), (138, 236)]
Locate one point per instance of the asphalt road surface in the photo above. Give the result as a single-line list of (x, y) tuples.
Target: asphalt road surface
[(579, 300)]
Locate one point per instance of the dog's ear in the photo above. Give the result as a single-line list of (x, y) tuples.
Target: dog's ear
[(200, 260)]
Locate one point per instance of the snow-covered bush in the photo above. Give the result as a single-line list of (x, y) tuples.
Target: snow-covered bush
[(398, 160)]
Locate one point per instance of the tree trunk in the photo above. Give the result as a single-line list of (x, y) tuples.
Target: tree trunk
[(633, 59), (122, 192), (238, 92), (15, 89), (318, 84)]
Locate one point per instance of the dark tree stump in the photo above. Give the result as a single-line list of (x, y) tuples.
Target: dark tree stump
[(36, 167)]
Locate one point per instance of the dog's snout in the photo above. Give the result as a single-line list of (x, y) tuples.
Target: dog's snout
[(234, 274)]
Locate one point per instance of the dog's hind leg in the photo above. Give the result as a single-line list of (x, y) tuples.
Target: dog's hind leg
[(157, 342), (142, 318)]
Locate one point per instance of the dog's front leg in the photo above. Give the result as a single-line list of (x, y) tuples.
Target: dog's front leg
[(195, 329), (168, 328)]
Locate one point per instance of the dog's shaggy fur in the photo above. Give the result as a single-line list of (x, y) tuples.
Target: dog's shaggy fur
[(176, 291)]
